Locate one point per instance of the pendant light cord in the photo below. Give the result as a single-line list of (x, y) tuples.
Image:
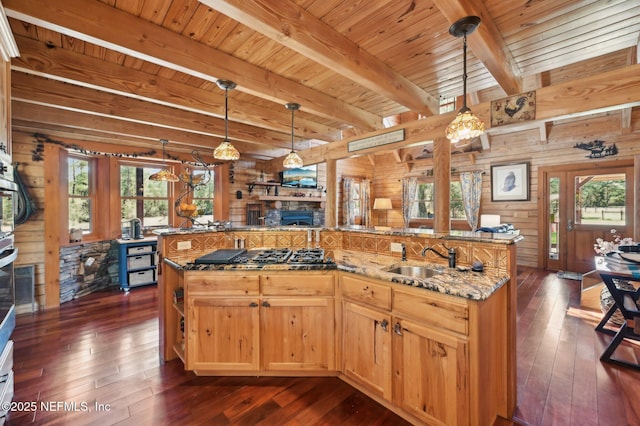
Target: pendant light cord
[(293, 111), (464, 72), (226, 114)]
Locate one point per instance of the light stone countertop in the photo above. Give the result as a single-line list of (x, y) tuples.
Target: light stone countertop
[(466, 284)]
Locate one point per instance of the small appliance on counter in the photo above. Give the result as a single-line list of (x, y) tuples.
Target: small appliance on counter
[(135, 229)]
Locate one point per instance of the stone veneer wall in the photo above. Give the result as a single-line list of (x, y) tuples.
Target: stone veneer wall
[(80, 275)]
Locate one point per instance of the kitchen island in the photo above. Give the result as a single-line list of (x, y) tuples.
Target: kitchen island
[(435, 350)]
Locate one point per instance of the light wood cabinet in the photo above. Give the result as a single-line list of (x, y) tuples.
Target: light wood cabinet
[(433, 358), (260, 322), (366, 347), (297, 334), (222, 333), (430, 373), (297, 321), (437, 363)]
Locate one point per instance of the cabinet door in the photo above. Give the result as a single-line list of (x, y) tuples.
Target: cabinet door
[(298, 334), (223, 334), (366, 347), (431, 373)]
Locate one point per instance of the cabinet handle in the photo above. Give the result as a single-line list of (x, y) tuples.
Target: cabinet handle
[(397, 328), (384, 325), (253, 305), (266, 304)]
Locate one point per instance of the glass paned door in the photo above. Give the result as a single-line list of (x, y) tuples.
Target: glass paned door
[(580, 206)]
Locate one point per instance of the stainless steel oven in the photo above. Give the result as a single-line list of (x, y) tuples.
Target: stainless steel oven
[(8, 199), (7, 293)]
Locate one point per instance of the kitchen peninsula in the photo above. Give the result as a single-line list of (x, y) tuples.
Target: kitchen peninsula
[(436, 349)]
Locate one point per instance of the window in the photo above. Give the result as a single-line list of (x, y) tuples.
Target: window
[(356, 206), (423, 206), (447, 105), (203, 195), (143, 198), (601, 199), (81, 193)]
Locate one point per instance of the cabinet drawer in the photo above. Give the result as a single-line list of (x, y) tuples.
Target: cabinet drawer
[(141, 249), (142, 277), (438, 310), (142, 261), (292, 283), (6, 361), (366, 291), (216, 284)]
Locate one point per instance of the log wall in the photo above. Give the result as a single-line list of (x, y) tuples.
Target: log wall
[(524, 146)]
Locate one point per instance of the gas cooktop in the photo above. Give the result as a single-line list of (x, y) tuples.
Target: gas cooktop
[(259, 256), (273, 256), (315, 255)]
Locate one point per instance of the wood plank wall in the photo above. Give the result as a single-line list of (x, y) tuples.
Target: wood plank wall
[(247, 171), (514, 148), (29, 236), (386, 172)]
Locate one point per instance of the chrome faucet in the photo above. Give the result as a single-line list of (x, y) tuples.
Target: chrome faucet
[(451, 254), (404, 252)]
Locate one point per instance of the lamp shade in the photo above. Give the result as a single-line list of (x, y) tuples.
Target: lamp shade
[(382, 204)]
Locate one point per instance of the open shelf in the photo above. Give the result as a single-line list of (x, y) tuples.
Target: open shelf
[(290, 198), (179, 307), (178, 350), (267, 184)]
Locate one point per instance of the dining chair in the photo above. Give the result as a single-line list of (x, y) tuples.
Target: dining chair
[(626, 301)]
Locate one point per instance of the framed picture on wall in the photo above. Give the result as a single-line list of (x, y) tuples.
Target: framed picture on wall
[(510, 182)]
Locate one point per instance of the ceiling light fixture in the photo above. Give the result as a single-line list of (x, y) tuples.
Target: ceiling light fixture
[(293, 160), (466, 125), (164, 175), (226, 151)]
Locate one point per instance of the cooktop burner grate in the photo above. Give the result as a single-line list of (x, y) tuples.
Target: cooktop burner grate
[(307, 256), (273, 256)]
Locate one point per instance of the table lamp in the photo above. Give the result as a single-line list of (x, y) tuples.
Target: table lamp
[(383, 204)]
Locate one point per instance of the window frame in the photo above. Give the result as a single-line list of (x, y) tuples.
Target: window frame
[(92, 196), (456, 223), (169, 196)]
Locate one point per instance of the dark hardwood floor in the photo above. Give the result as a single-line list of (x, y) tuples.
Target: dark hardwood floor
[(95, 361)]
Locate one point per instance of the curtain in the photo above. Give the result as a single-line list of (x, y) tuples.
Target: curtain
[(365, 202), (471, 185), (409, 190), (348, 215)]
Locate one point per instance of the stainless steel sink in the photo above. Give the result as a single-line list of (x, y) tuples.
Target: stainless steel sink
[(414, 271)]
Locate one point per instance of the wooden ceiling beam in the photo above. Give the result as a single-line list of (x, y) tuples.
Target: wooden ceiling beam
[(83, 70), (608, 91), (294, 27), (81, 123), (32, 89), (128, 34), (486, 43)]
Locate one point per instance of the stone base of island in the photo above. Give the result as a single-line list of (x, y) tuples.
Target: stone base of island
[(436, 350)]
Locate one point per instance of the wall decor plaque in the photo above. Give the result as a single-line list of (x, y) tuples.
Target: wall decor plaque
[(513, 109)]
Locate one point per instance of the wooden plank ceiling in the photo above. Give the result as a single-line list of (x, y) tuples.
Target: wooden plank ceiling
[(136, 71)]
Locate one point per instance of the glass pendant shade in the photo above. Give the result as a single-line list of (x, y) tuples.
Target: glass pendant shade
[(293, 160), (466, 125), (164, 175), (226, 151)]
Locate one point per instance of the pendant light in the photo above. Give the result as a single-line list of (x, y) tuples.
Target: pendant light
[(165, 174), (293, 160), (466, 125), (226, 151)]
